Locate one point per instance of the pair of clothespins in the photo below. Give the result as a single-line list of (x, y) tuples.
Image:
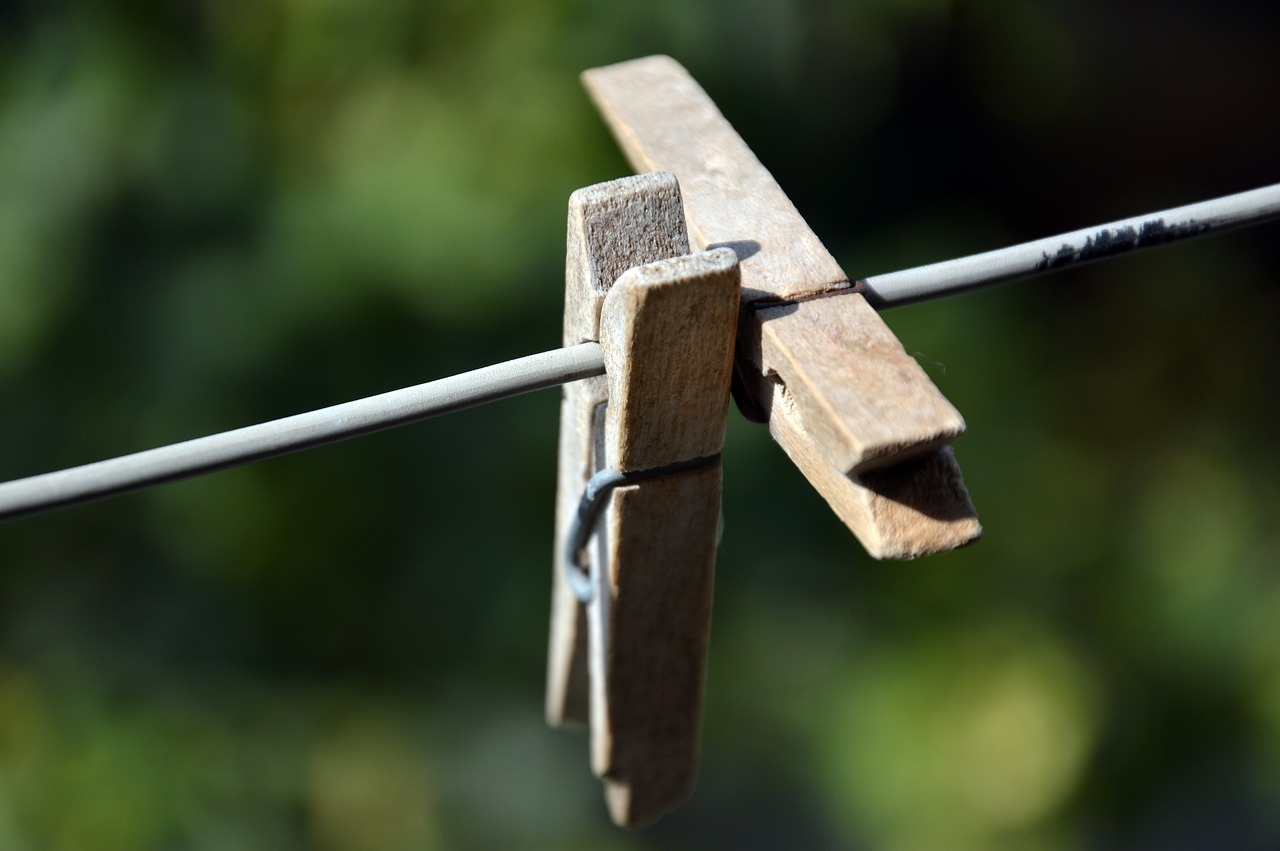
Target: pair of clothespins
[(810, 357)]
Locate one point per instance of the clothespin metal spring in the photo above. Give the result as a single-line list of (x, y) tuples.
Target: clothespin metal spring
[(594, 499)]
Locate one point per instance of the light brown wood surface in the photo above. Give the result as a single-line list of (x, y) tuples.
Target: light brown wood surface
[(647, 716), (854, 385), (854, 394), (664, 121), (668, 343), (667, 334), (612, 227), (915, 508)]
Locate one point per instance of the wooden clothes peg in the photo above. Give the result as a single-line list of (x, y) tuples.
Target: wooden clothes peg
[(612, 227), (853, 410), (667, 334)]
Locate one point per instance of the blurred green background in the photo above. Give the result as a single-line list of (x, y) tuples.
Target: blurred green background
[(218, 213)]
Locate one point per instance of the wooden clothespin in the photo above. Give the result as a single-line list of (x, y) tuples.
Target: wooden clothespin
[(629, 643), (852, 409)]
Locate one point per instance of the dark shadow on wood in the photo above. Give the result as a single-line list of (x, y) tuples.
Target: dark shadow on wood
[(931, 485), (744, 248)]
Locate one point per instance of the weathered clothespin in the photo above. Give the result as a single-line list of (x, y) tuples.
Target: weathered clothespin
[(841, 395), (629, 638), (852, 409)]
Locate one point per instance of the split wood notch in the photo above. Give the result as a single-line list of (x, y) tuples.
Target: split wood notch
[(852, 409)]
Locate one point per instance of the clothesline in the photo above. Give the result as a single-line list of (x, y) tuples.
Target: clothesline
[(272, 439), (88, 482), (1076, 248)]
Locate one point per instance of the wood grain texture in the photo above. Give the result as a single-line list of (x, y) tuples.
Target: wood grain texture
[(668, 343), (612, 227), (647, 712), (916, 508), (853, 384), (667, 334), (859, 399), (664, 121)]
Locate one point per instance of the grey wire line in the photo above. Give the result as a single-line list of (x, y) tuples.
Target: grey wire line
[(302, 431), (400, 407), (1071, 249)]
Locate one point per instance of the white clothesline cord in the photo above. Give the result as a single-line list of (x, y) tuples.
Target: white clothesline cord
[(303, 431), (1071, 249), (559, 366)]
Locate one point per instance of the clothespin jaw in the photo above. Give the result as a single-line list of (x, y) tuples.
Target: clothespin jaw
[(842, 396), (629, 654)]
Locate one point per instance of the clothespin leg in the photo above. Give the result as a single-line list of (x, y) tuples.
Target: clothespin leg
[(901, 499), (651, 658), (913, 508)]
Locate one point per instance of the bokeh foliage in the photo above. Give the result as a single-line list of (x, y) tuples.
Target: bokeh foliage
[(217, 213)]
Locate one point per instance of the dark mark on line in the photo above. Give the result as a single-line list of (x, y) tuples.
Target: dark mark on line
[(1108, 242)]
